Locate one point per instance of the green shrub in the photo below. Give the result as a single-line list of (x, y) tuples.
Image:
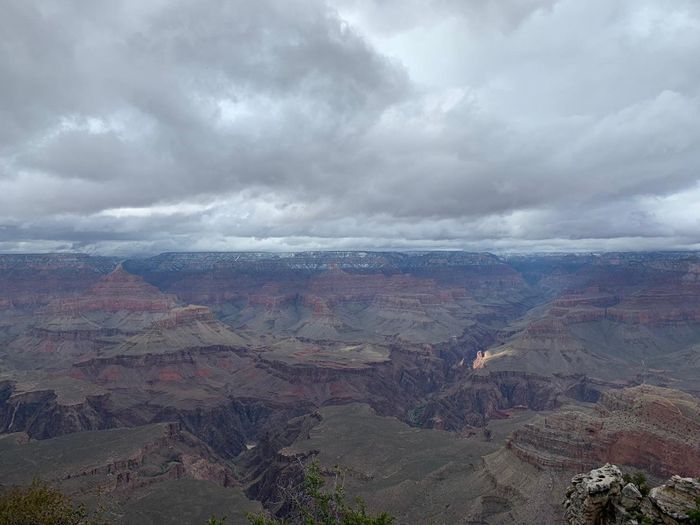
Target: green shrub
[(314, 505), (694, 515), (39, 504), (639, 479)]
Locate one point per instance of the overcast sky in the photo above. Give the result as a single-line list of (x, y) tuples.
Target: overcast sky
[(137, 127)]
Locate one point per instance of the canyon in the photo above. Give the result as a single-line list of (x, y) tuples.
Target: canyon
[(452, 387)]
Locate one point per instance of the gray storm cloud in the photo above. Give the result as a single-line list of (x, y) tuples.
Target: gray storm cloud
[(138, 127)]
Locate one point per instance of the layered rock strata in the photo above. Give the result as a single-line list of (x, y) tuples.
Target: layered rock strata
[(651, 428)]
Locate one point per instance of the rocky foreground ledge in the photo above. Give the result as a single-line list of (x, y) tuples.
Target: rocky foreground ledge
[(602, 497)]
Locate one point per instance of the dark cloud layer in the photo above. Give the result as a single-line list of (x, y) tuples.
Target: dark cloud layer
[(137, 127)]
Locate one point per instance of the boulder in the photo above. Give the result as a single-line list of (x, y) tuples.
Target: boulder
[(630, 497), (674, 499), (594, 498), (599, 498)]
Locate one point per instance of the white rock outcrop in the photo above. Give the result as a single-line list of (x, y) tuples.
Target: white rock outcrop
[(601, 497)]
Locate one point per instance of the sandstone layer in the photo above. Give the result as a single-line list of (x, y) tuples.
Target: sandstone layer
[(649, 428)]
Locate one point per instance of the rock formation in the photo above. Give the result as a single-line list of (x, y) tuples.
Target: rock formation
[(649, 428), (603, 497), (117, 291)]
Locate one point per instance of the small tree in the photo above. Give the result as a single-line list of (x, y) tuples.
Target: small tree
[(39, 504), (640, 480), (314, 505), (694, 515)]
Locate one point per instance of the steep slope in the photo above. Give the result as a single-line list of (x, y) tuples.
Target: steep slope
[(649, 428), (115, 307), (186, 327), (28, 281), (131, 472), (418, 475)]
